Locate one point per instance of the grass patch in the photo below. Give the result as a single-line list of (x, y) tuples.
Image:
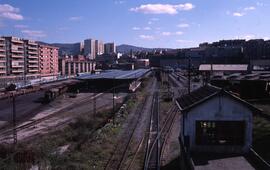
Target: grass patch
[(261, 137)]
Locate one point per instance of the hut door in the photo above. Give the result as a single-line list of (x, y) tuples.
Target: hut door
[(220, 132)]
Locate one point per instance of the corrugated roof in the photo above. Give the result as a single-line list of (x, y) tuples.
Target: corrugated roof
[(239, 76), (116, 74), (223, 67), (196, 97)]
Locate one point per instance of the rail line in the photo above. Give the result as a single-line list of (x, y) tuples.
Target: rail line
[(166, 130), (117, 158), (37, 121), (7, 132), (153, 144), (158, 138)]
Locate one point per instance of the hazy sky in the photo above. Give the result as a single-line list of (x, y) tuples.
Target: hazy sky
[(153, 23)]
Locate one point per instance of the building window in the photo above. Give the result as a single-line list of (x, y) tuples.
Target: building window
[(220, 132)]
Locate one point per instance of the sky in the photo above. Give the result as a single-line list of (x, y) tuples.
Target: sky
[(152, 23)]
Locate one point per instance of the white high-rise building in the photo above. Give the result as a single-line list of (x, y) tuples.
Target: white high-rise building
[(99, 47)]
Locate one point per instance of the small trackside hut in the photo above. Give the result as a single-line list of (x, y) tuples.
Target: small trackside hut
[(214, 120)]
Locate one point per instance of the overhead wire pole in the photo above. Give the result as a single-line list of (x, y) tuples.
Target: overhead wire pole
[(95, 103), (189, 69), (113, 92), (14, 119)]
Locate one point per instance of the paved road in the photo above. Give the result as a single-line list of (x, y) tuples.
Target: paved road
[(25, 105)]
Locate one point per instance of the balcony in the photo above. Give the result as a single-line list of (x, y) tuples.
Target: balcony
[(32, 47), (17, 71), (16, 41), (17, 66), (32, 61), (32, 70), (33, 57), (32, 52), (32, 43), (17, 56), (32, 66), (17, 51)]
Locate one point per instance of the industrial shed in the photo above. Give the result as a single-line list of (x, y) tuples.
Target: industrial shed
[(214, 120)]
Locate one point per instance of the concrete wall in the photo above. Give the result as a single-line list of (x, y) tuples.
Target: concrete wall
[(221, 108)]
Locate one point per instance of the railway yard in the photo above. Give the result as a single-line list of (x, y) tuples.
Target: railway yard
[(101, 133), (104, 130)]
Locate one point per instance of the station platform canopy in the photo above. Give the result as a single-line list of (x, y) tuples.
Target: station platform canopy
[(115, 74)]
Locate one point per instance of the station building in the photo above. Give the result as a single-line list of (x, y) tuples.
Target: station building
[(214, 120)]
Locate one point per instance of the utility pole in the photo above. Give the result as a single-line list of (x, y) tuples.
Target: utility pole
[(113, 91), (94, 103), (189, 69), (14, 119)]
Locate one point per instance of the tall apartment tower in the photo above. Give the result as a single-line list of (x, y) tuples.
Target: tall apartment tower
[(89, 48), (99, 47), (81, 47), (48, 59), (110, 48)]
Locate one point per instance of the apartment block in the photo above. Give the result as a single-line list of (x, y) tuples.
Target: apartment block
[(48, 60)]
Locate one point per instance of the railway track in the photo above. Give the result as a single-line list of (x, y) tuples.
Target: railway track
[(158, 137), (7, 132), (153, 144), (166, 131), (117, 159)]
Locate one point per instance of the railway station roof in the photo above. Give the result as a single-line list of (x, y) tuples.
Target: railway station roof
[(223, 67), (196, 97), (265, 76), (115, 74)]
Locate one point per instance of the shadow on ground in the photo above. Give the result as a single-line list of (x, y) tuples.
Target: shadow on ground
[(173, 165)]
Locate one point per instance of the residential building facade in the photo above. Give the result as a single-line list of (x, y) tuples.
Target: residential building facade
[(48, 59), (31, 57), (3, 62)]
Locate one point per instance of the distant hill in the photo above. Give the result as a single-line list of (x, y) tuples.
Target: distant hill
[(66, 48), (124, 48), (74, 48)]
